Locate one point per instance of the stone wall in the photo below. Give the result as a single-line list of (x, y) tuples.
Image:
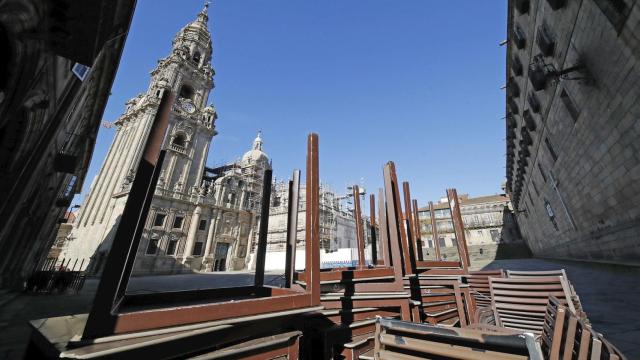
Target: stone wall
[(575, 184)]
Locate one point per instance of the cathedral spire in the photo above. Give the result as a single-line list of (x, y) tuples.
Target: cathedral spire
[(257, 142), (203, 16)]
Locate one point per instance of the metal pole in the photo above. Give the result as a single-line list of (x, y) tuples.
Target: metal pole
[(397, 235), (312, 227), (434, 231), (409, 224), (357, 213), (458, 226), (384, 229), (292, 228), (372, 220), (393, 220), (261, 252), (416, 222), (117, 270)]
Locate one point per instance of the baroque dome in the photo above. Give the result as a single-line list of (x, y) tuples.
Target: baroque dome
[(255, 155)]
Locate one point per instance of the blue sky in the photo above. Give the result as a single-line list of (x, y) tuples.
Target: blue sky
[(413, 81)]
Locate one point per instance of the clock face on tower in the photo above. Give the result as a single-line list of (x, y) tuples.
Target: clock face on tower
[(188, 107)]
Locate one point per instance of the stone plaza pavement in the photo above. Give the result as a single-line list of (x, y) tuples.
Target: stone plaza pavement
[(610, 295), (16, 309)]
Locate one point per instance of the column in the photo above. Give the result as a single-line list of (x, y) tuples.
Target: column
[(212, 224), (107, 163), (193, 229), (99, 188)]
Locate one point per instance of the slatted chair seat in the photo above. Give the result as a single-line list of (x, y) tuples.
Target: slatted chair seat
[(402, 340), (521, 303), (575, 299)]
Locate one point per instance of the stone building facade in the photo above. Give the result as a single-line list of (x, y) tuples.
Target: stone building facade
[(337, 223), (573, 128), (488, 220), (196, 222), (57, 63)]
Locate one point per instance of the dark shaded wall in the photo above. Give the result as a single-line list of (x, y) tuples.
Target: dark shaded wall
[(49, 117), (573, 139)]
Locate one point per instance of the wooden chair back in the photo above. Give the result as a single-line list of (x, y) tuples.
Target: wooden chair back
[(521, 303), (575, 299), (553, 329), (479, 284)]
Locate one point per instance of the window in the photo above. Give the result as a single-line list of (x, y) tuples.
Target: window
[(495, 235), (529, 121), (80, 71), (519, 37), (441, 242), (202, 225), (556, 4), (196, 57), (430, 243), (179, 140), (152, 247), (177, 222), (545, 41), (522, 6), (197, 248), (171, 248), (159, 220), (544, 177), (186, 92), (616, 11), (550, 148), (537, 74), (534, 104), (569, 105), (516, 66)]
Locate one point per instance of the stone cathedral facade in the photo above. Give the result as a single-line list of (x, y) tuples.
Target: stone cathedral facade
[(200, 218)]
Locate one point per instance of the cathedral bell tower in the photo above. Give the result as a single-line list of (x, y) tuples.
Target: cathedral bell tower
[(188, 73)]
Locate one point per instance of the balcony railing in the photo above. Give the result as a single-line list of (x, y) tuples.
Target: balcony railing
[(178, 148)]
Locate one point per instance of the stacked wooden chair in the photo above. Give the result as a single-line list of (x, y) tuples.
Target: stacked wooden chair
[(438, 293), (565, 336), (478, 282), (521, 303), (353, 297), (409, 341), (575, 299)]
